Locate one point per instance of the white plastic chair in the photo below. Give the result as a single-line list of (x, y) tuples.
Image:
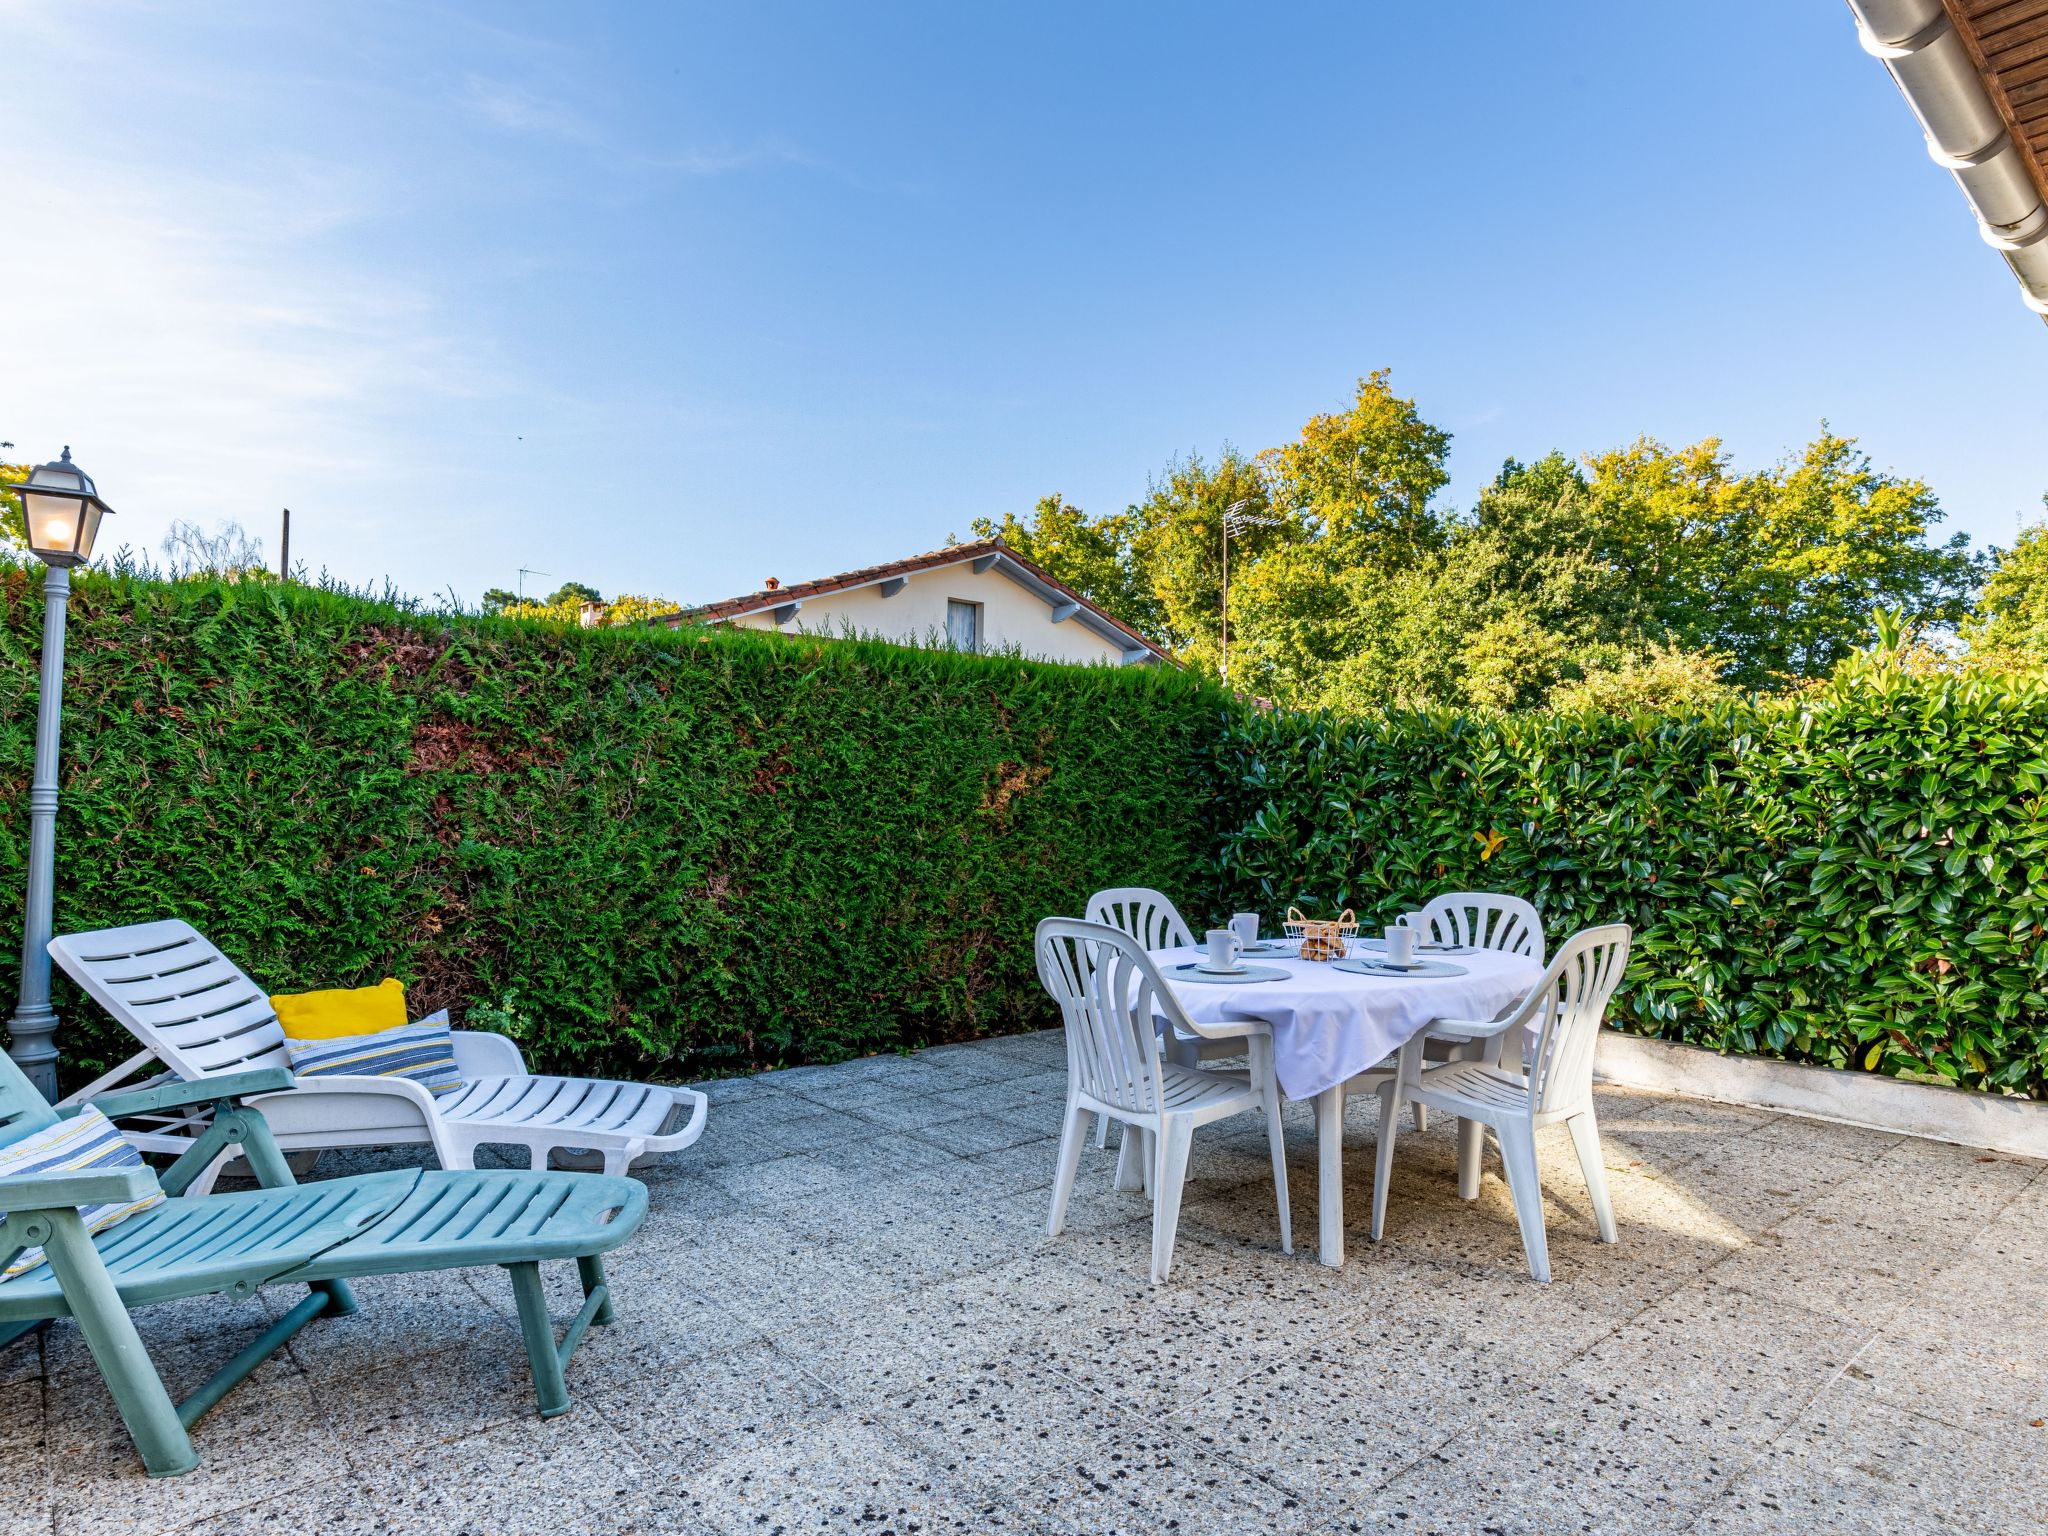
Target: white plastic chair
[(1481, 920), (198, 1014), (1477, 920), (1110, 994), (1143, 913), (1513, 1099), (1155, 922)]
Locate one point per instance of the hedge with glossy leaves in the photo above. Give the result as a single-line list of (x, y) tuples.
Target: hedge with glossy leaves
[(641, 850), (1857, 877)]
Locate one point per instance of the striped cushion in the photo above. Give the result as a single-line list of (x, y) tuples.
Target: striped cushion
[(88, 1141), (422, 1052)]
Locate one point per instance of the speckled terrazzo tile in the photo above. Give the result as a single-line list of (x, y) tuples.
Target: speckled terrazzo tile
[(838, 1476), (948, 1331), (824, 1128), (386, 1417), (25, 1462), (677, 1413), (328, 1512), (1988, 1478), (973, 1058), (1832, 1265), (1047, 1046), (998, 1424), (902, 1112), (1977, 1380), (573, 1473), (22, 1360), (266, 1440), (1545, 1467), (972, 1134), (792, 1179), (1338, 1419), (889, 1159), (1153, 1476), (1772, 1501), (1734, 1364)]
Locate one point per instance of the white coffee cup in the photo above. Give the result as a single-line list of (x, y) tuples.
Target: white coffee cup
[(1400, 944), (1246, 926), (1224, 948)]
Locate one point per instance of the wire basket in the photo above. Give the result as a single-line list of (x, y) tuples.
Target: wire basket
[(1321, 939)]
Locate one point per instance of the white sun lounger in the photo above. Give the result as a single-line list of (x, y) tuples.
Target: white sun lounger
[(197, 1014)]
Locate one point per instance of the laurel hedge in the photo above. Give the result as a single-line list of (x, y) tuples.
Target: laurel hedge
[(692, 852), (639, 850), (1856, 877)]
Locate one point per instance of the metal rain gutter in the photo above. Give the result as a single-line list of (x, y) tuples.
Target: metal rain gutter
[(1965, 133)]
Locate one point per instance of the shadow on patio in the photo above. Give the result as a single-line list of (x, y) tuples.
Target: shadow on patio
[(843, 1314)]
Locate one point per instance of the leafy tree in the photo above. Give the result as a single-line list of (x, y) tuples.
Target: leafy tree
[(2011, 624), (13, 527), (497, 599), (574, 592), (1662, 679), (1361, 480), (1091, 556), (1780, 568)]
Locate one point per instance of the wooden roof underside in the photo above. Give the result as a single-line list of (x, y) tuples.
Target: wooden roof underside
[(2008, 39)]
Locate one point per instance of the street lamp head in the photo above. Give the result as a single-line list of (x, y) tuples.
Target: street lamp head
[(63, 512)]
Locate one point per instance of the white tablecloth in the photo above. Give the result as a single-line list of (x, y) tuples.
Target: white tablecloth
[(1330, 1025)]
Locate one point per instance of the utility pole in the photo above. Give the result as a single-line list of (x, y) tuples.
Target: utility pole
[(284, 549), (524, 572)]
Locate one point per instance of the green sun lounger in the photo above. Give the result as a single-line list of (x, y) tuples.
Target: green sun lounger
[(318, 1235)]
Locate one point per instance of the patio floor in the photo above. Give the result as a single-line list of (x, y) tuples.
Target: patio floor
[(843, 1315)]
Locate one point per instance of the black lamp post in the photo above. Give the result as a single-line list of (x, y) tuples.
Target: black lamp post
[(63, 512)]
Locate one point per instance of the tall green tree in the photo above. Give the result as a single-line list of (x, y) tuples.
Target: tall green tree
[(2010, 627), (1093, 556), (1781, 568)]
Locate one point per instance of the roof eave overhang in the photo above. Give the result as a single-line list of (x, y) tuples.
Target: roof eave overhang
[(1938, 73), (1134, 650)]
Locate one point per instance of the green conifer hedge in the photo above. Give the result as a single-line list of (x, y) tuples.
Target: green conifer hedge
[(641, 850), (690, 852)]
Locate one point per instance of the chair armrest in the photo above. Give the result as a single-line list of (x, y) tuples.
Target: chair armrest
[(482, 1053), (66, 1190), (204, 1090), (1470, 1029)]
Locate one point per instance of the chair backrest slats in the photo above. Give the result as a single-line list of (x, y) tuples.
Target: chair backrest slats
[(1143, 913), (1576, 990), (23, 1111), (178, 994), (1110, 992), (1482, 920)]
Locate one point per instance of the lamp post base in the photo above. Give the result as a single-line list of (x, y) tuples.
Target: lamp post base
[(32, 1048)]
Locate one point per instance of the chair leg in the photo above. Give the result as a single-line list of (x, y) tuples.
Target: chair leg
[(1072, 1135), (1101, 1132), (538, 1329), (1383, 1155), (125, 1366), (1518, 1154), (1420, 1111), (1130, 1155), (590, 1270), (1471, 1148), (1261, 1053), (1586, 1138), (1173, 1139)]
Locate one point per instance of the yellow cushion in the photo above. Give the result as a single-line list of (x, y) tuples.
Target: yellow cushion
[(341, 1011)]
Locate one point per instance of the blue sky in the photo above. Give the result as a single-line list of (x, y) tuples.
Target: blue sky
[(671, 298)]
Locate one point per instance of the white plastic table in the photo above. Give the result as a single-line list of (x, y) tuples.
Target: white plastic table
[(1330, 1025)]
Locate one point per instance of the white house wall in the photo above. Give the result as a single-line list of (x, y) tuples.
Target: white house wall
[(1010, 616)]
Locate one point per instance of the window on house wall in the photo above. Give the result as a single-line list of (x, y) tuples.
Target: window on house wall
[(963, 625)]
